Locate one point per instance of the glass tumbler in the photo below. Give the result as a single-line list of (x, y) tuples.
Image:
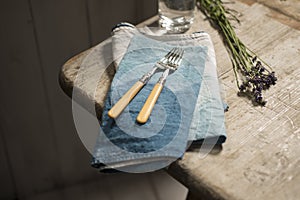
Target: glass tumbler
[(176, 16)]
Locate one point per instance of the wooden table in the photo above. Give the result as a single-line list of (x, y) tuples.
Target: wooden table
[(261, 157)]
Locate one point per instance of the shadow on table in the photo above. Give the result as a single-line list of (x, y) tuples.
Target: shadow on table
[(205, 147)]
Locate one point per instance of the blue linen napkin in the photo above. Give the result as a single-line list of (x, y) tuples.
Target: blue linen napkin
[(211, 127), (189, 107)]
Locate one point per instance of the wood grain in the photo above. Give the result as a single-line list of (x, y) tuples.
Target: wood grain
[(53, 51), (24, 109), (290, 8), (260, 159)]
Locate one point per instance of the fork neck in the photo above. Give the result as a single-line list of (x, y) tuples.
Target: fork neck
[(163, 77), (147, 76)]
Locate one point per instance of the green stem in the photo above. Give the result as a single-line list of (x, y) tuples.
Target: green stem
[(245, 68)]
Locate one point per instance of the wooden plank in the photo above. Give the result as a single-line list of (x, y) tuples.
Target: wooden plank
[(260, 159), (25, 119), (62, 31), (146, 9), (290, 8), (70, 68), (6, 182), (260, 155), (104, 15)]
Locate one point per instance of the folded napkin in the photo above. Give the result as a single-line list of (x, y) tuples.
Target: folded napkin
[(189, 107)]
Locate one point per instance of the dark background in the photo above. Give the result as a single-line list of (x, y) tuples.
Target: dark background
[(39, 148)]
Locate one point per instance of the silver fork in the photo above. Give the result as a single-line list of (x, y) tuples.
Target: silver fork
[(172, 65), (116, 110)]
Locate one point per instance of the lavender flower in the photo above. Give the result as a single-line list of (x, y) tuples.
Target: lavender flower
[(256, 75)]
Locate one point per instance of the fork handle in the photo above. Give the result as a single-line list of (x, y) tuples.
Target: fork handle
[(116, 110), (149, 104)]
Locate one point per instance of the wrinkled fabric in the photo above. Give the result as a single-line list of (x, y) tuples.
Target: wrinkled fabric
[(189, 107)]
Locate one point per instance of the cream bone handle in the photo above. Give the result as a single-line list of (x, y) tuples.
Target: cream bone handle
[(149, 104), (152, 98), (116, 110)]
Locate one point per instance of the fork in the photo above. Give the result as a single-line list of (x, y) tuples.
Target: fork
[(172, 65), (116, 110)]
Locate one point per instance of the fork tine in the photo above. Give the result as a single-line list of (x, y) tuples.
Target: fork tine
[(170, 53), (180, 57), (177, 58), (175, 55), (167, 57)]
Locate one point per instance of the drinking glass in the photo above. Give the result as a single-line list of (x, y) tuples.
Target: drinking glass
[(176, 16)]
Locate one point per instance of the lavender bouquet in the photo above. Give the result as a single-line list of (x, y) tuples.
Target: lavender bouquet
[(253, 75)]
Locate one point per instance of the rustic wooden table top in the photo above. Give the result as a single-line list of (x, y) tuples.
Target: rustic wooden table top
[(261, 157)]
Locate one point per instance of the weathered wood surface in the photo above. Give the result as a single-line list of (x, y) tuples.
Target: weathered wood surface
[(290, 8), (71, 67), (260, 159)]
